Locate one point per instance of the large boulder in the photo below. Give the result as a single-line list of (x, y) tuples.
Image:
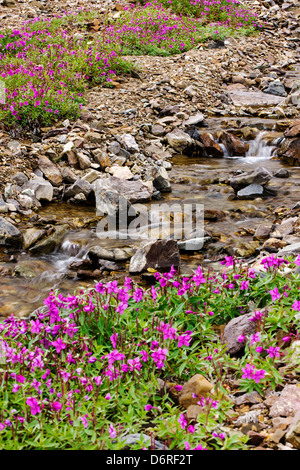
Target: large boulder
[(156, 254)]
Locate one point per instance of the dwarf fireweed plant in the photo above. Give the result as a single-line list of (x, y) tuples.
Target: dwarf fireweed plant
[(171, 27), (87, 369), (46, 68)]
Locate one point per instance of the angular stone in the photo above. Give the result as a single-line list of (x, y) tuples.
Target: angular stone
[(260, 176), (49, 244), (179, 140), (236, 327), (288, 403), (293, 434), (31, 236), (212, 148), (9, 234), (197, 385), (109, 192), (254, 98), (50, 170), (251, 191), (43, 190), (156, 254), (80, 186)]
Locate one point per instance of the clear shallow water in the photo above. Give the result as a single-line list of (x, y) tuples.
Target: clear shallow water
[(195, 180)]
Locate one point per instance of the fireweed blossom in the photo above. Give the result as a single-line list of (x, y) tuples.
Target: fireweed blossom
[(250, 373)]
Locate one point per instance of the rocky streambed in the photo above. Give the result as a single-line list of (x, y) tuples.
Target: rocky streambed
[(249, 194)]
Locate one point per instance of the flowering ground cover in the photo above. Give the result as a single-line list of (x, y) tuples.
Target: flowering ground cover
[(46, 68), (173, 26), (86, 369)]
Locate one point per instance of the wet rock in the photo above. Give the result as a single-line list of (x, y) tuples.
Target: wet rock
[(31, 236), (288, 403), (262, 232), (31, 268), (211, 147), (161, 180), (50, 170), (251, 191), (246, 249), (9, 234), (52, 242), (290, 151), (234, 145), (260, 177), (197, 385), (272, 245), (179, 140), (293, 130), (236, 327), (156, 254), (113, 254), (282, 173)]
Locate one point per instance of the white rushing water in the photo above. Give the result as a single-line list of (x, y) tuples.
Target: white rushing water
[(259, 149)]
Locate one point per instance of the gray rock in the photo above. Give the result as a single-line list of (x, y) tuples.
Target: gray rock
[(50, 170), (52, 242), (129, 143), (20, 178), (276, 88), (156, 254), (9, 234), (80, 186), (133, 439), (194, 120), (179, 140), (43, 190), (3, 206), (288, 403), (161, 180), (114, 254), (251, 191), (293, 433), (109, 192), (260, 176), (236, 327)]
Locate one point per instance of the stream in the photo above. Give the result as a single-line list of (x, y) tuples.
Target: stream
[(194, 180)]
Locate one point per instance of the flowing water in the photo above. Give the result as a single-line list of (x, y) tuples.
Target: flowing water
[(195, 180)]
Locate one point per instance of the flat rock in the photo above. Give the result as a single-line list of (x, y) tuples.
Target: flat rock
[(253, 98)]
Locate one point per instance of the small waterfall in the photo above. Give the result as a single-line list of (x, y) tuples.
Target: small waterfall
[(259, 149)]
